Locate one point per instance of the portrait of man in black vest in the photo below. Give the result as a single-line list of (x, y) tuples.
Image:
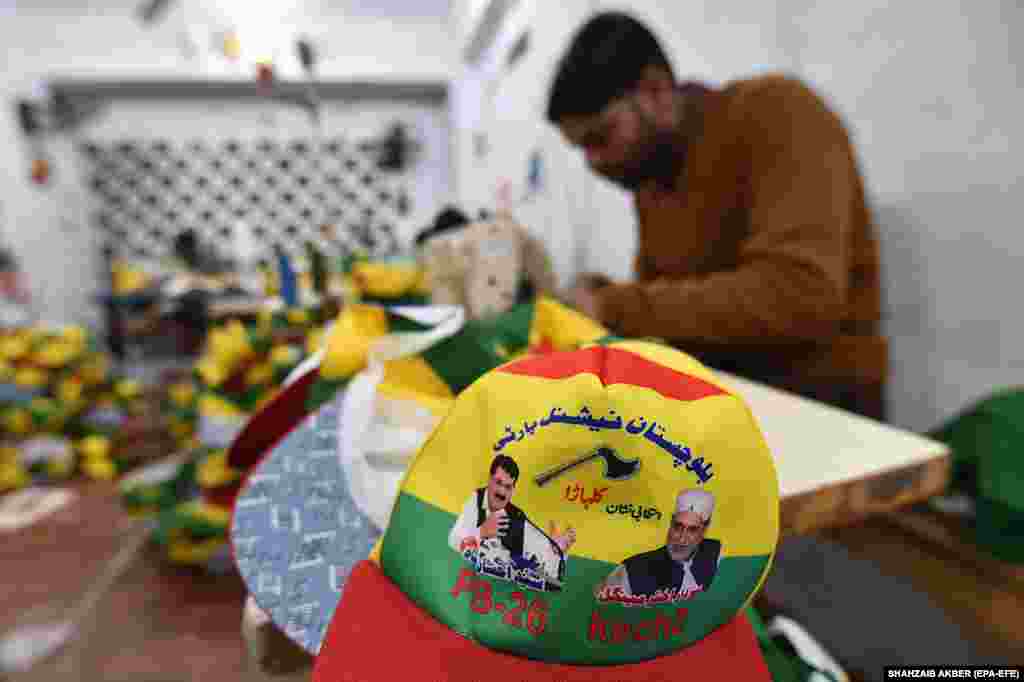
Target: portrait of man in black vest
[(489, 517), (685, 565)]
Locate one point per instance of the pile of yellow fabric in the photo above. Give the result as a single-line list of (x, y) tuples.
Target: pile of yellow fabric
[(241, 367), (60, 405), (128, 279)]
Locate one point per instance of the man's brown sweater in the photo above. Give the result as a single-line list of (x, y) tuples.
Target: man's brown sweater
[(762, 259)]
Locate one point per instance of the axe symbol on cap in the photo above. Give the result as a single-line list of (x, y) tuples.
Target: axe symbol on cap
[(615, 468)]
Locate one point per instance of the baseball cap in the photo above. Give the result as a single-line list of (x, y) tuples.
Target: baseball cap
[(604, 513)]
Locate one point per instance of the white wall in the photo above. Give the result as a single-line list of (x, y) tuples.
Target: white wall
[(933, 99), (935, 103), (508, 107), (426, 181), (103, 40)]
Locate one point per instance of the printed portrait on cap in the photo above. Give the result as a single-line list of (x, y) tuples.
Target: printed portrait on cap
[(499, 540), (680, 568)]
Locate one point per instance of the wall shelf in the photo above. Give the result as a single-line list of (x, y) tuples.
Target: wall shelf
[(296, 91)]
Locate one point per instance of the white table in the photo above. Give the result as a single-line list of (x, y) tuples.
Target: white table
[(835, 467)]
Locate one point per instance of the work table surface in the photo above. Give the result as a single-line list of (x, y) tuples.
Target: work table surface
[(836, 468)]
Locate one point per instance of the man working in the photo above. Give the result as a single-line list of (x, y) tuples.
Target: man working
[(490, 517), (685, 565), (756, 248), (756, 254)]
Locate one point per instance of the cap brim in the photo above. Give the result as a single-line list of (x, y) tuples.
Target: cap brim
[(272, 423), (378, 634)]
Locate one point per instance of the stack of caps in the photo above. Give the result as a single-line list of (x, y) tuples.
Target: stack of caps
[(597, 514), (434, 375)]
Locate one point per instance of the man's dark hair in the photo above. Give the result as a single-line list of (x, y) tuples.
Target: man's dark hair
[(605, 60), (508, 464)]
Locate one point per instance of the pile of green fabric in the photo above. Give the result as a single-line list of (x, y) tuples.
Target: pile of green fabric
[(987, 441)]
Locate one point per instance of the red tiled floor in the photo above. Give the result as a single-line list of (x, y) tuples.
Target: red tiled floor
[(157, 624)]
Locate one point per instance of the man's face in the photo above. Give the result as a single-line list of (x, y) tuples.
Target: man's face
[(499, 489), (685, 532), (624, 143)]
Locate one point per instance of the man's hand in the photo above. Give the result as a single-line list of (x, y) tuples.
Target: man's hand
[(495, 525), (583, 296), (592, 281), (585, 302), (564, 540)]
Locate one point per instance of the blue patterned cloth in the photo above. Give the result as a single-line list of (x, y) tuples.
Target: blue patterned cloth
[(297, 534)]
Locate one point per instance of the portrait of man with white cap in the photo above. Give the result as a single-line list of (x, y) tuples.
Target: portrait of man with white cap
[(685, 565)]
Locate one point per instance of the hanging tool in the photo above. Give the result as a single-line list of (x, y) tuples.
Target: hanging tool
[(31, 122), (307, 58)]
